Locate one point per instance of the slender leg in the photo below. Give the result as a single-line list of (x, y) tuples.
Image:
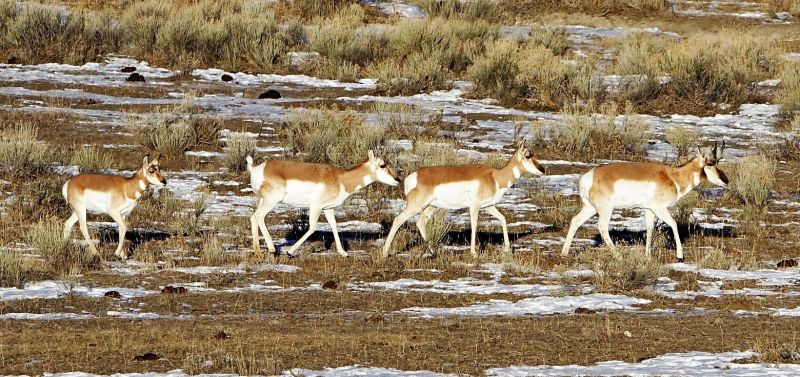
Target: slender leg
[(414, 204), (122, 230), (69, 224), (313, 218), (329, 216), (650, 222), (422, 221), (84, 229), (496, 213), (603, 220), (473, 220), (583, 216), (665, 216), (267, 202)]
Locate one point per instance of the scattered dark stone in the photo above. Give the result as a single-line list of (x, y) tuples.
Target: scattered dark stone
[(170, 290), (270, 94), (786, 263), (330, 284), (147, 356), (112, 294), (222, 335), (128, 69), (584, 311), (13, 60), (226, 77), (135, 77)]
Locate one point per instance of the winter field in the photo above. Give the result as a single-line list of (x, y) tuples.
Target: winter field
[(89, 86)]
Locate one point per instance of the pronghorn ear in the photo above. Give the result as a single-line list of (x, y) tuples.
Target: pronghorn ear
[(156, 160), (371, 155), (146, 160)]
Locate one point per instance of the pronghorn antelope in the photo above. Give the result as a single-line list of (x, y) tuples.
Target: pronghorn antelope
[(652, 187), (318, 187), (109, 194), (462, 186)]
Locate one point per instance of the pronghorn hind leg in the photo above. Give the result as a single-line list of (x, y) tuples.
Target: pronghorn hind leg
[(313, 218), (69, 224), (499, 216), (665, 216), (85, 229), (414, 204), (265, 204), (583, 216), (122, 254), (422, 222), (473, 221), (603, 220), (331, 218), (649, 222)]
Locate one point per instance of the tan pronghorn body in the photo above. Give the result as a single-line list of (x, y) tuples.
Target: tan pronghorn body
[(462, 186), (318, 187), (649, 186), (109, 194)]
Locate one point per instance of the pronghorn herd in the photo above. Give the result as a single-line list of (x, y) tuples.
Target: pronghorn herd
[(322, 187)]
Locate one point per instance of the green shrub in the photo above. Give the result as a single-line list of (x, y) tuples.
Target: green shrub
[(789, 95), (468, 10), (552, 37), (683, 139)]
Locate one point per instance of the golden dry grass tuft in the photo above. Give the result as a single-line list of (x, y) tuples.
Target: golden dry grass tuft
[(64, 258), (91, 159), (21, 153), (590, 135), (753, 179), (627, 270), (237, 148)]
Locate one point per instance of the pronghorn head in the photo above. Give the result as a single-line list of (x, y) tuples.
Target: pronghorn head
[(708, 159), (380, 172), (529, 163), (152, 171)]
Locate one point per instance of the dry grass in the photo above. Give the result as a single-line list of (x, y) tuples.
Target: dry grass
[(625, 271), (436, 228), (468, 10), (91, 159), (587, 135), (753, 179), (237, 148), (21, 153), (62, 256), (172, 132), (789, 95), (552, 37), (330, 136), (683, 139)]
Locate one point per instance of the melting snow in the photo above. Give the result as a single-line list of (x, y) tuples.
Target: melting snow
[(535, 306), (700, 364), (54, 289), (789, 276), (241, 78)]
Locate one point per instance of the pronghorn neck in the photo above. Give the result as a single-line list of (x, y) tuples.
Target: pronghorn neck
[(136, 185), (508, 175), (356, 178), (686, 177)]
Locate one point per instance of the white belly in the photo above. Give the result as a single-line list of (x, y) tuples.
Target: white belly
[(127, 207), (496, 198), (455, 195), (630, 194), (97, 201), (302, 194)]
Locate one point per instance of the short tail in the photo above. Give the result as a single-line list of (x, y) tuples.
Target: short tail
[(249, 163)]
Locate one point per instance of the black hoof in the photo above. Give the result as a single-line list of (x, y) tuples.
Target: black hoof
[(680, 260)]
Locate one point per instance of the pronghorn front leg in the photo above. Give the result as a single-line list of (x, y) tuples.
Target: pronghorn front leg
[(329, 216), (665, 216), (265, 204), (496, 213), (414, 204), (586, 213), (313, 218), (120, 220), (473, 219)]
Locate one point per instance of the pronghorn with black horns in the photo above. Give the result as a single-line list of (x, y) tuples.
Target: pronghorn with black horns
[(113, 195), (463, 186), (649, 186), (318, 187)]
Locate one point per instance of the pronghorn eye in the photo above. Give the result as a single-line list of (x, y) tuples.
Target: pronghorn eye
[(528, 154), (383, 166), (152, 170)]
